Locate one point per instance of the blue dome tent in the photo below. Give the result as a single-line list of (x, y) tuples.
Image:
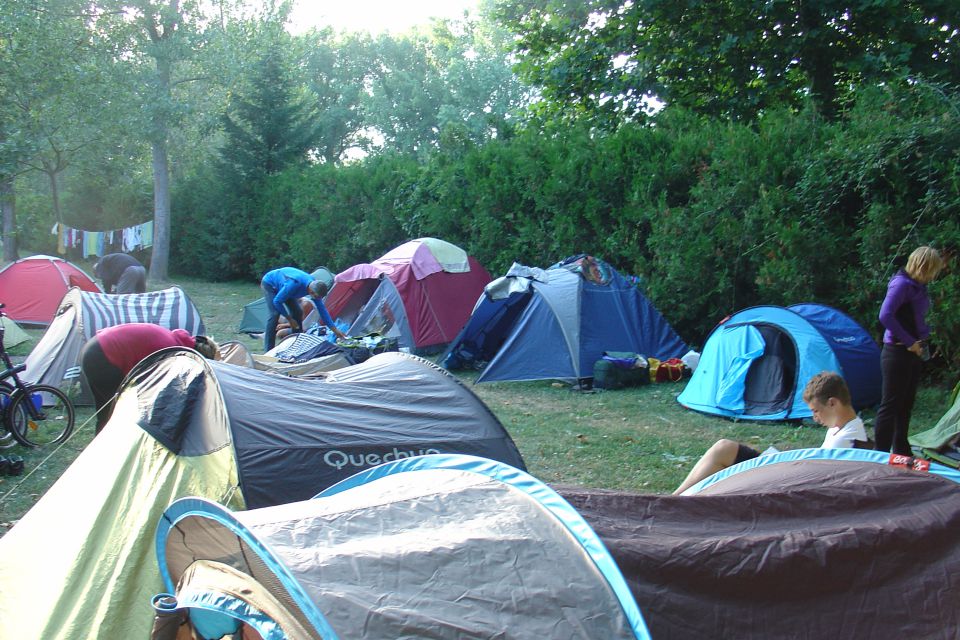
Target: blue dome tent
[(756, 363), (536, 324)]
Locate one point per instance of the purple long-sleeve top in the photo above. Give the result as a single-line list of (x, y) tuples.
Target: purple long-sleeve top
[(901, 290)]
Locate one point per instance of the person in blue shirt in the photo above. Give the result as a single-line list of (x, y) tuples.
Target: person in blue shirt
[(282, 289)]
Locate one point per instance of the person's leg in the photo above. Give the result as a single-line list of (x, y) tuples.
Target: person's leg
[(913, 367), (102, 377), (295, 316), (273, 317), (895, 367), (722, 454)]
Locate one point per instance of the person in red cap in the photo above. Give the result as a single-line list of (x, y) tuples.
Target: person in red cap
[(109, 356)]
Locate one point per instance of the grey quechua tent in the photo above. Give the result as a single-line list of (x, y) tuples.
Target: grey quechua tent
[(438, 546), (293, 437)]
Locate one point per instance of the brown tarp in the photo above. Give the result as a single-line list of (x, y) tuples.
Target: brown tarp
[(807, 549)]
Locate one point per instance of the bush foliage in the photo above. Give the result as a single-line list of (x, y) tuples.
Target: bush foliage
[(714, 215)]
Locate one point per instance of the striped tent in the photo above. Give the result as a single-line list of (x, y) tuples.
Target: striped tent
[(55, 359)]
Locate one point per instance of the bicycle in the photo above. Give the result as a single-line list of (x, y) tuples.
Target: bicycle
[(33, 414)]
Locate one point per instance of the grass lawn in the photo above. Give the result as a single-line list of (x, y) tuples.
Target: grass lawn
[(638, 439)]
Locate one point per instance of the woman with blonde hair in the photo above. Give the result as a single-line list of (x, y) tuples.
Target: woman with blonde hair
[(903, 315)]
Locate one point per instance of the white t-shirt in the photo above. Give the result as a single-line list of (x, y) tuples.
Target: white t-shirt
[(843, 437)]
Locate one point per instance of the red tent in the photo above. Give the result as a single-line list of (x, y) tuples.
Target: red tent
[(33, 287), (421, 292)]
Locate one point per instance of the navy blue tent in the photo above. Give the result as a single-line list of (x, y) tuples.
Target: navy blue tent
[(756, 363), (536, 324)]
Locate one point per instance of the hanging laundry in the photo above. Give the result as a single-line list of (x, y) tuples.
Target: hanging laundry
[(147, 234)]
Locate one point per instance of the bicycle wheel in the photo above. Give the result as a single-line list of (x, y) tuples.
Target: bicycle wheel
[(53, 423), (6, 398)]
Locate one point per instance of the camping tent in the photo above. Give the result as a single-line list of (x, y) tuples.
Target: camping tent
[(812, 543), (535, 324), (185, 426), (420, 293), (254, 317), (81, 314), (12, 333), (436, 546), (33, 287), (756, 363), (940, 441)]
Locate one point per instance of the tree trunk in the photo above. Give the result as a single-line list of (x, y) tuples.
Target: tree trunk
[(55, 194), (7, 203), (160, 259)]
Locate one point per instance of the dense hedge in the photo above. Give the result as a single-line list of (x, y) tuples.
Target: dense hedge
[(715, 216)]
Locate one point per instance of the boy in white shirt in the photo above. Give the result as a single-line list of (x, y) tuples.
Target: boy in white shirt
[(827, 396)]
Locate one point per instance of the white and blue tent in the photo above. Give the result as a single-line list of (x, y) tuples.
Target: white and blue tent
[(756, 363), (554, 324), (436, 546)]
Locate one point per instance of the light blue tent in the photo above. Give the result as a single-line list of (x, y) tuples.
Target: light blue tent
[(536, 324), (755, 364), (435, 546)]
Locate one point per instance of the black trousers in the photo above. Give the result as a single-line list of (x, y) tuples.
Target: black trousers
[(901, 376), (103, 378)]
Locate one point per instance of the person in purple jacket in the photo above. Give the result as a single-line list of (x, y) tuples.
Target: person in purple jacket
[(903, 315)]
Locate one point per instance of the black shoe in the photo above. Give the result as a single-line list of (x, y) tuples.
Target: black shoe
[(14, 465), (4, 466)]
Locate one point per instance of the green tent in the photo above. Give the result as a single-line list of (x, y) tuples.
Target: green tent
[(940, 442), (12, 333)]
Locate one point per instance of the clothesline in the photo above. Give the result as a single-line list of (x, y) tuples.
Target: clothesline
[(99, 243)]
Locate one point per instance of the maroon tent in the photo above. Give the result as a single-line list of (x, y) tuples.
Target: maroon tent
[(421, 292), (804, 548)]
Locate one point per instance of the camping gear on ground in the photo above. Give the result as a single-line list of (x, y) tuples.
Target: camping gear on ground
[(940, 442), (812, 543), (691, 359), (359, 348), (11, 465), (254, 318), (236, 353), (33, 287), (670, 370), (536, 324), (620, 369), (756, 363), (183, 426), (437, 546), (420, 293), (301, 347), (55, 358)]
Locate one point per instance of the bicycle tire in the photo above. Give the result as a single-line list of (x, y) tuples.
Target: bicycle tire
[(53, 428), (6, 399)]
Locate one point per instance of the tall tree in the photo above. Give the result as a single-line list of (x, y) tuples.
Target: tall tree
[(608, 58), (48, 72), (159, 43)]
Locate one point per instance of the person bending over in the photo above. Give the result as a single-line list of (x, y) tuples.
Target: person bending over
[(282, 289), (109, 356), (122, 272), (827, 396)]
